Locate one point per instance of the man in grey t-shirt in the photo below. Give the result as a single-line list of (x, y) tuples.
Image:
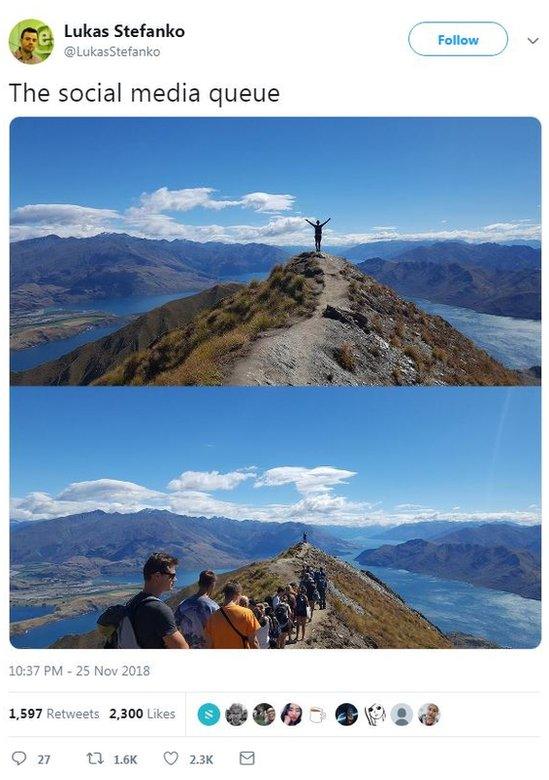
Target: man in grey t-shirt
[(153, 621)]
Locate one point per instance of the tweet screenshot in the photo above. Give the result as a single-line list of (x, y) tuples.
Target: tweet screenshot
[(271, 398)]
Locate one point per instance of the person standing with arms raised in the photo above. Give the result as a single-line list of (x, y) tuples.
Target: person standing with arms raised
[(318, 225)]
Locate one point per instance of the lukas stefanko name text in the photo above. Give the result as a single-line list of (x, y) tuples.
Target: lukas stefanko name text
[(124, 31)]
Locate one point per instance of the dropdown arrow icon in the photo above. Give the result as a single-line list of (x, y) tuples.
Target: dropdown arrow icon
[(533, 40)]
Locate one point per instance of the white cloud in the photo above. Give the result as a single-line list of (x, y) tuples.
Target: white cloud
[(61, 219), (315, 480), (110, 495), (211, 480), (155, 216), (263, 201), (497, 232), (191, 494)]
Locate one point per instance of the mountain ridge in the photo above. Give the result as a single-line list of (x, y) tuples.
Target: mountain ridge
[(362, 611), (315, 320), (497, 566), (502, 292)]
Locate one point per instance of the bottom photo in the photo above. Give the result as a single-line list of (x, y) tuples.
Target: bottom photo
[(275, 518)]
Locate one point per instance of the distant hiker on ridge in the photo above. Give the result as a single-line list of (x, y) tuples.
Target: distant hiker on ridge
[(318, 225)]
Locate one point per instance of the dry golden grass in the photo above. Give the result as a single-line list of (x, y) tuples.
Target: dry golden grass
[(345, 356), (387, 621), (201, 352)]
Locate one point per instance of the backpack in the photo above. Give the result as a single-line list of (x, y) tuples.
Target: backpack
[(115, 623), (301, 606), (281, 614), (274, 627)]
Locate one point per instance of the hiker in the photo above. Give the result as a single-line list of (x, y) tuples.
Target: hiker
[(304, 537), (276, 598), (243, 601), (301, 613), (312, 593), (153, 620), (263, 635), (192, 614), (274, 627), (232, 626), (318, 238), (321, 582), (284, 616)]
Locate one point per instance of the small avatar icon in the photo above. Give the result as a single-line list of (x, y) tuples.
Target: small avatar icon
[(375, 714), (316, 715), (402, 714)]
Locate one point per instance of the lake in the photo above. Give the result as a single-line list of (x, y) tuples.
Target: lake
[(26, 613), (504, 618), (46, 635), (515, 343), (22, 359)]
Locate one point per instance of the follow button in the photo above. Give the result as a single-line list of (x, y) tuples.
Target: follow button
[(458, 39)]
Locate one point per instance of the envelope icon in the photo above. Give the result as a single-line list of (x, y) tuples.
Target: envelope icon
[(247, 758)]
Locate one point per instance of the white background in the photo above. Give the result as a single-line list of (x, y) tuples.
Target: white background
[(331, 59)]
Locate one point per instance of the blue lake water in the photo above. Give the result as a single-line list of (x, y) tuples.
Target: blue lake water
[(26, 613), (515, 343), (504, 618), (22, 359)]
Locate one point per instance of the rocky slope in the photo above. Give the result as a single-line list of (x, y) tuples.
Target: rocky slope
[(362, 612), (362, 333)]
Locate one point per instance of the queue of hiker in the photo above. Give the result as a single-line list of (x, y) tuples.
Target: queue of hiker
[(240, 622)]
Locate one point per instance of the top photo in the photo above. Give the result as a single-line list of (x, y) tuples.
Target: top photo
[(275, 251)]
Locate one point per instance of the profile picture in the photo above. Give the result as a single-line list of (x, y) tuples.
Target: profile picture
[(375, 714), (346, 714), (316, 714), (31, 41), (402, 714), (264, 714), (429, 714), (291, 714), (236, 714)]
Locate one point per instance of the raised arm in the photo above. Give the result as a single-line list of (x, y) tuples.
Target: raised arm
[(325, 223), (312, 224)]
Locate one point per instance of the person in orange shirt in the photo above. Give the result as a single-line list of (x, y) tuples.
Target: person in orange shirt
[(232, 627)]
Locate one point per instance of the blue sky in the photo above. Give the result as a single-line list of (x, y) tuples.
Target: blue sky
[(255, 179), (316, 455)]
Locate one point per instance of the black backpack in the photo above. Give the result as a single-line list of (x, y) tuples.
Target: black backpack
[(282, 616)]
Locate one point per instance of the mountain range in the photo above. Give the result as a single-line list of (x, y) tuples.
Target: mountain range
[(316, 320), (492, 290), (111, 543), (488, 255), (502, 556), (52, 270)]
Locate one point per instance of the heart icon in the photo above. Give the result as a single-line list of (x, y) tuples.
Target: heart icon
[(171, 757)]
